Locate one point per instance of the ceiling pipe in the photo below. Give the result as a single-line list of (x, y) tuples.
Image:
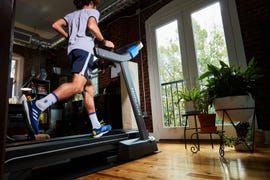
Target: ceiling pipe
[(107, 9)]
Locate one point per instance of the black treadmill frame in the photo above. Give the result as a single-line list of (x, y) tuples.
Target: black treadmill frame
[(49, 152), (46, 152)]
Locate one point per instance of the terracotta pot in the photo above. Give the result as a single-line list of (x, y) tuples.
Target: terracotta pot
[(207, 122)]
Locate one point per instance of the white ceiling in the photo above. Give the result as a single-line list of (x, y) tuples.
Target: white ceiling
[(36, 16)]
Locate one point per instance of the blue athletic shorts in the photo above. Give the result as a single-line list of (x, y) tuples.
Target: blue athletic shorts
[(81, 62)]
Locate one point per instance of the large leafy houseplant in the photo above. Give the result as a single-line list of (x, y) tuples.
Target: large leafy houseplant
[(231, 87), (230, 80)]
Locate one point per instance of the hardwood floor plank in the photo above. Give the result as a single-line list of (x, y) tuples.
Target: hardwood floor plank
[(176, 162)]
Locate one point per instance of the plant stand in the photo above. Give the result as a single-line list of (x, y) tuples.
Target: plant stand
[(190, 128), (233, 122), (196, 146), (195, 136)]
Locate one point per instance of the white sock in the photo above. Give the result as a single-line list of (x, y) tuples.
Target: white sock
[(94, 120), (47, 101)]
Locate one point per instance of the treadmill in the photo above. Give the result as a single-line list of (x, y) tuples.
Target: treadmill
[(128, 144)]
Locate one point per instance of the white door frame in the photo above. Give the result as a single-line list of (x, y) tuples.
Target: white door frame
[(179, 9)]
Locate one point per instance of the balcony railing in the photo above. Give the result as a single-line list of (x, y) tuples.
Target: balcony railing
[(172, 109)]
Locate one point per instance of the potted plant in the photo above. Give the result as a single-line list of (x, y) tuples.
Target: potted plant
[(227, 84), (190, 98), (243, 135), (207, 120), (196, 101), (231, 91)]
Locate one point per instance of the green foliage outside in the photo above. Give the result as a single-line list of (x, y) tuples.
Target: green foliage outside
[(210, 49)]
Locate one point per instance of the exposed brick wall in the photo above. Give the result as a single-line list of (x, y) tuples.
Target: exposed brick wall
[(254, 22), (124, 29), (254, 18)]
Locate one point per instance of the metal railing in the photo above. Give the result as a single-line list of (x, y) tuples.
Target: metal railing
[(172, 109)]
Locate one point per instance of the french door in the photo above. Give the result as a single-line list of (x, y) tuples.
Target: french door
[(183, 38)]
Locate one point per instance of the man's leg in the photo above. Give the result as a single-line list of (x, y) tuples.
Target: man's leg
[(98, 129), (66, 90)]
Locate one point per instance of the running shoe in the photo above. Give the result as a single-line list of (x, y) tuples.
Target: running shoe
[(32, 113), (102, 130)]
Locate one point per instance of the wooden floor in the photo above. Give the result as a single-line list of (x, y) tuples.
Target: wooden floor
[(176, 162)]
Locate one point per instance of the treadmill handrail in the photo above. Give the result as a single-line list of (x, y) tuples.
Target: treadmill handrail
[(130, 53), (122, 56)]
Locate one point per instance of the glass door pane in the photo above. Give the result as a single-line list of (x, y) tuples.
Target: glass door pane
[(209, 38), (12, 77), (170, 72), (208, 33)]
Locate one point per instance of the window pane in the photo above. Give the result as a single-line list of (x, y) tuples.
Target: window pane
[(12, 78), (169, 56), (13, 69), (170, 71), (209, 37), (95, 78)]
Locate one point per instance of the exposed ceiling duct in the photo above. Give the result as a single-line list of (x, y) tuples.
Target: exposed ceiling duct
[(22, 37), (111, 7), (30, 39)]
